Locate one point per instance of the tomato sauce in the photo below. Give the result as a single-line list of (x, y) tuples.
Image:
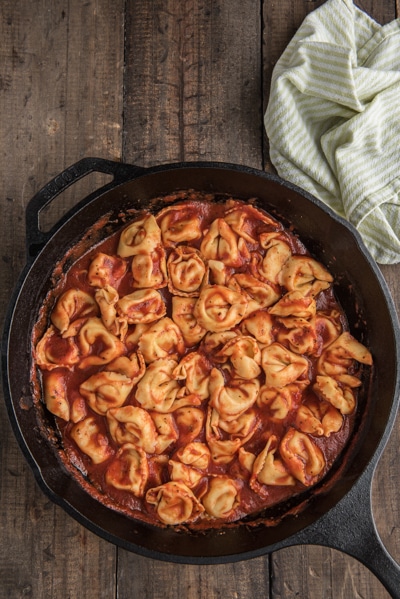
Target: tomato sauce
[(250, 499)]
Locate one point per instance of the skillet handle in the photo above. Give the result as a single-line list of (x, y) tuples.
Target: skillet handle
[(35, 237), (350, 528)]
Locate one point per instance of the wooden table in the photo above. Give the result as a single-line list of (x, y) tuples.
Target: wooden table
[(146, 82)]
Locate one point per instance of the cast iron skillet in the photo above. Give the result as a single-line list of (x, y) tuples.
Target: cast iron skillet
[(336, 513)]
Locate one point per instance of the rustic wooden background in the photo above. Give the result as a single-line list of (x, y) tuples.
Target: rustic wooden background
[(147, 82)]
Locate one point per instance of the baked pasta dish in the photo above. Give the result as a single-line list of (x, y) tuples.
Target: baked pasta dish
[(198, 365)]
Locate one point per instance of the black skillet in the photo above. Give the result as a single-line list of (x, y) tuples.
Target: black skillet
[(337, 513)]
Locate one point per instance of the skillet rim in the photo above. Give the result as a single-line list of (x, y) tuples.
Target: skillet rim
[(72, 214)]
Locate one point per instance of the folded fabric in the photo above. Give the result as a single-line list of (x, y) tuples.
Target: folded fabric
[(333, 119)]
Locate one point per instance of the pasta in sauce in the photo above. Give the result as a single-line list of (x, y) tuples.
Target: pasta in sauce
[(198, 365)]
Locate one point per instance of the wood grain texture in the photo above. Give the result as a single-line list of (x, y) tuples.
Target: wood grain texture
[(382, 12), (150, 82), (60, 99), (150, 579), (316, 572), (199, 67)]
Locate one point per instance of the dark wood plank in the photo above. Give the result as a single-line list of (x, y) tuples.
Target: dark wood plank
[(158, 580), (316, 572), (382, 12), (193, 82), (60, 99)]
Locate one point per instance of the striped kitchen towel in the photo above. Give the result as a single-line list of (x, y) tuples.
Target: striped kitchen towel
[(333, 119)]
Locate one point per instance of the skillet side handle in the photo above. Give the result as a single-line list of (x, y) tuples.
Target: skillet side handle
[(350, 528), (35, 237)]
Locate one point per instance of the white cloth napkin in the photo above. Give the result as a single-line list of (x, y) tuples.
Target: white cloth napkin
[(333, 119)]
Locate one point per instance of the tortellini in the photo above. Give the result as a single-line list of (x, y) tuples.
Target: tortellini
[(197, 363), (129, 470), (246, 222), (318, 418), (299, 335), (175, 503), (94, 335), (295, 304), (244, 354), (234, 399), (142, 306), (277, 253), (223, 446), (221, 243), (187, 271), (303, 458), (72, 304), (219, 308), (163, 339), (269, 470), (91, 440), (195, 454), (53, 351), (159, 389), (194, 370), (105, 390), (304, 274), (110, 387), (282, 366), (107, 298), (260, 294), (183, 316), (142, 236), (149, 270), (340, 396), (278, 402), (184, 474), (190, 421), (150, 432), (179, 224), (55, 395), (221, 497), (106, 270), (260, 326), (338, 357)]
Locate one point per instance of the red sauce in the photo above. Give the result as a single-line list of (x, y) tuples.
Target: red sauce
[(249, 501)]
